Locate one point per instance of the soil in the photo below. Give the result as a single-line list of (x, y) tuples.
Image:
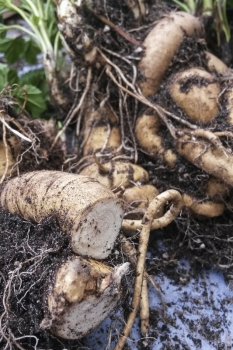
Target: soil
[(30, 253), (37, 155)]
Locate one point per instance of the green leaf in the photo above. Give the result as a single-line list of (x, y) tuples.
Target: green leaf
[(3, 5), (35, 103), (7, 76), (35, 20), (36, 78), (24, 5), (2, 31), (30, 51), (12, 48), (13, 77), (16, 48)]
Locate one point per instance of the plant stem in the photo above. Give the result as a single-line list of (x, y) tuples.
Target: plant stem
[(29, 22), (19, 27)]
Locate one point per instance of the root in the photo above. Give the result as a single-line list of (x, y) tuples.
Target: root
[(213, 138), (103, 169), (14, 131), (76, 109), (144, 309), (136, 93), (159, 201), (146, 226), (131, 253), (5, 330), (117, 29), (6, 155)]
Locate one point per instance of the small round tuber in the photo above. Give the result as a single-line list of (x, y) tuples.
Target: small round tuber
[(196, 92)]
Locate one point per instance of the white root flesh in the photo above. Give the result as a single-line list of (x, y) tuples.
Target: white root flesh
[(83, 295), (87, 210)]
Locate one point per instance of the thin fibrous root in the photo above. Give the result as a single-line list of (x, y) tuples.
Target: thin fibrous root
[(116, 28), (136, 93), (76, 109), (131, 252), (146, 226), (6, 155), (2, 120)]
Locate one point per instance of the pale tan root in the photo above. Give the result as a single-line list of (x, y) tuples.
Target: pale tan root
[(146, 131), (229, 95), (142, 195), (208, 157), (6, 155), (161, 45), (116, 173), (215, 187), (148, 219), (75, 110), (84, 208), (138, 8), (136, 93), (131, 253), (206, 208), (100, 130), (215, 64), (200, 102), (138, 199), (144, 309), (163, 221)]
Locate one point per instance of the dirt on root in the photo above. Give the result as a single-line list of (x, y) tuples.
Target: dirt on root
[(30, 255)]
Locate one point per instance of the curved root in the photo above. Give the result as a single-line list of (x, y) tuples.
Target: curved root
[(159, 201)]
